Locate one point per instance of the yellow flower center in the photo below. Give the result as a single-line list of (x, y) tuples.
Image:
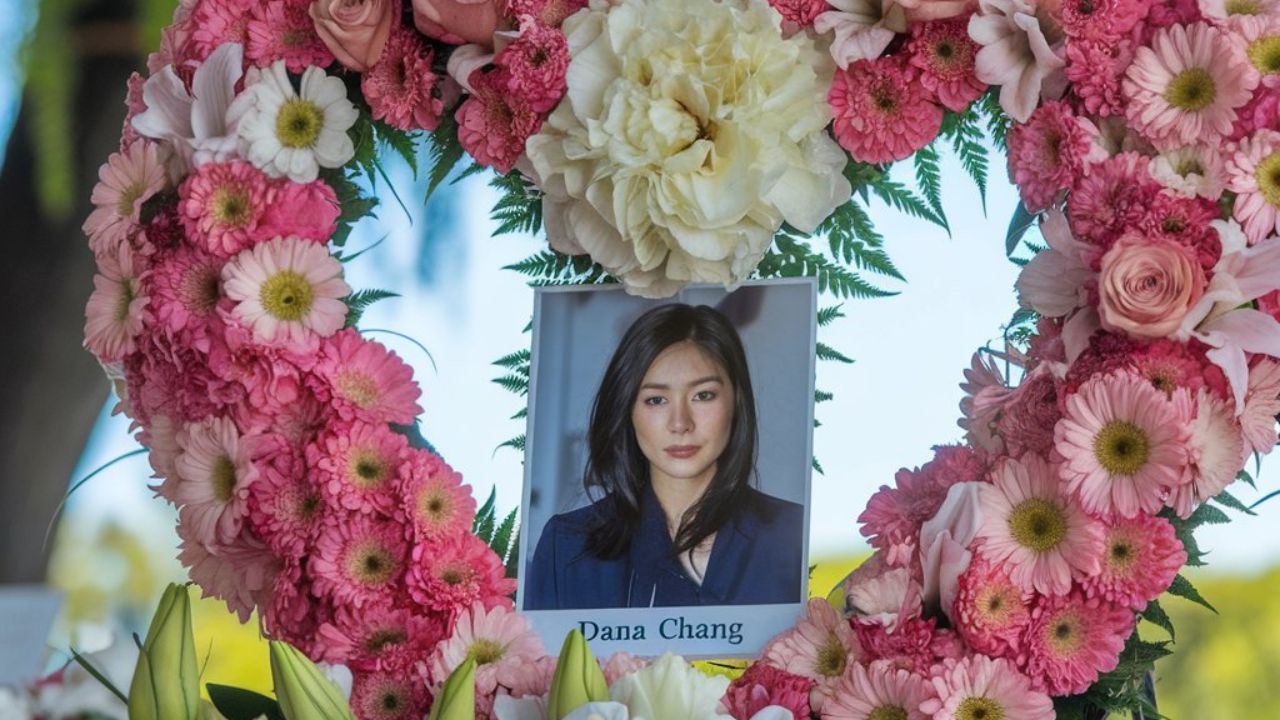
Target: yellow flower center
[(223, 478), (1191, 90), (129, 196), (433, 504), (1264, 53), (1243, 7), (1189, 165), (1063, 635), (127, 295), (359, 388), (1121, 448), (367, 470), (299, 123), (997, 605), (230, 206), (286, 296), (1037, 524), (979, 708), (888, 712), (485, 651), (371, 564), (832, 657), (1267, 175)]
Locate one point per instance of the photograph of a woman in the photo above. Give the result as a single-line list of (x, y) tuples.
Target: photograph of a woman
[(671, 462)]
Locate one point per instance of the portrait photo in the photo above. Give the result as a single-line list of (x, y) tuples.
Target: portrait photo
[(667, 466)]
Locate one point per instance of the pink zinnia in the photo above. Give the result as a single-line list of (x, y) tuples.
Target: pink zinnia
[(1140, 559), (381, 695), (286, 505), (763, 685), (990, 611), (1261, 406), (240, 574), (882, 112), (117, 309), (221, 205), (215, 473), (359, 559), (453, 573), (125, 181), (498, 639), (1049, 152), (1110, 199), (185, 288), (493, 124), (820, 647), (983, 687), (217, 22), (1072, 640), (366, 380), (535, 65), (875, 691), (1185, 87), (1215, 450), (305, 210), (438, 504), (1123, 445), (401, 88), (289, 290), (944, 54), (358, 465), (1253, 173), (284, 30), (1028, 523)]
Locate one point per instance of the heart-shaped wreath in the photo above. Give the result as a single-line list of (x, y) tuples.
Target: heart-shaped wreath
[(663, 142)]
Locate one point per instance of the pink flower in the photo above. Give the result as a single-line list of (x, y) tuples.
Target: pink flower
[(383, 695), (820, 647), (878, 690), (1184, 88), (117, 309), (221, 205), (535, 65), (1029, 416), (458, 21), (1043, 537), (288, 290), (366, 380), (1166, 364), (1147, 287), (553, 12), (980, 686), (984, 396), (915, 645), (1123, 443), (1257, 39), (878, 593), (1141, 557), (1110, 198), (438, 504), (494, 125), (284, 30), (763, 685), (359, 560), (294, 613), (305, 210), (379, 637), (882, 112), (286, 505), (892, 518), (1049, 152), (932, 10), (944, 54), (1184, 221), (357, 466), (215, 474), (1095, 69), (270, 380), (1261, 406), (169, 378), (1253, 173), (498, 639), (134, 105), (184, 288), (1020, 52), (1215, 451), (1072, 640), (214, 23), (1262, 111), (241, 574), (1192, 171), (1103, 20), (402, 89), (862, 28), (355, 31), (125, 181), (802, 13), (990, 611), (456, 572)]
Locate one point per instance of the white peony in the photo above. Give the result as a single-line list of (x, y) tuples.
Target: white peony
[(691, 130)]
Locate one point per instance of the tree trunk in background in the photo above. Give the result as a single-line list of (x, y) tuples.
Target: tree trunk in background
[(51, 389)]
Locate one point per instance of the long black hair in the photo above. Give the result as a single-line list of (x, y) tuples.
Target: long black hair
[(615, 463)]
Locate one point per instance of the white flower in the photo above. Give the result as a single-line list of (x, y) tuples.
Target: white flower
[(1190, 171), (863, 28), (670, 689), (295, 133), (690, 132), (287, 289), (1020, 52)]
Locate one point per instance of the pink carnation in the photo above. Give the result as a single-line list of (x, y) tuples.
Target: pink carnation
[(944, 54), (1029, 416), (1166, 364), (878, 690), (221, 205), (1186, 222), (436, 501), (1141, 556), (763, 685), (359, 560), (306, 210), (453, 573), (915, 645), (294, 613), (365, 380), (216, 22), (169, 378), (990, 611), (284, 30), (358, 464), (1072, 640), (125, 181), (493, 125), (268, 376), (1113, 196), (1049, 152), (535, 64), (892, 518), (1101, 20), (241, 573), (882, 112), (1261, 112), (402, 89), (1095, 69), (134, 105), (117, 309), (980, 686)]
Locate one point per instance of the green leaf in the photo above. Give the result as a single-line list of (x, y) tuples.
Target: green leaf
[(501, 542), (1183, 588), (516, 443), (792, 258), (828, 315), (519, 207), (98, 675), (519, 358), (967, 142), (482, 526), (817, 466), (929, 180), (826, 352), (1245, 476), (1021, 221), (444, 152), (1207, 514), (903, 199), (821, 396), (513, 558), (402, 142), (548, 267), (240, 704), (1156, 615), (514, 383), (1226, 499), (359, 301)]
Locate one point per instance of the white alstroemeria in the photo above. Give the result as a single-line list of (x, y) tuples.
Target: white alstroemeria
[(1243, 274), (198, 126), (293, 133), (862, 28)]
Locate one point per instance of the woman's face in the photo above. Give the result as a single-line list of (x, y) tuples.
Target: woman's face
[(683, 413)]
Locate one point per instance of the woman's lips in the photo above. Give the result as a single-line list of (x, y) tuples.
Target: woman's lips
[(683, 451)]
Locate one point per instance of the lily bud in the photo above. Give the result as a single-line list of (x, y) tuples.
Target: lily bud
[(457, 699), (578, 679), (166, 680), (304, 693)]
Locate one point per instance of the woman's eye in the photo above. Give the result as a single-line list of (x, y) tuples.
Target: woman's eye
[(654, 400), (705, 395)]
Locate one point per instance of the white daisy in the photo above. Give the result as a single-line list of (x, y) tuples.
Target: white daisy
[(295, 133), (288, 290)]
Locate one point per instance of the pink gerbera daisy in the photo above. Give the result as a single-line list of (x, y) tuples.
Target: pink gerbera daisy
[(498, 639), (1049, 152), (221, 205), (1140, 559), (875, 691), (944, 54), (1261, 406), (453, 573), (286, 505), (1043, 537), (1257, 39), (114, 315), (1253, 173), (1192, 171), (401, 88), (536, 63), (359, 464), (437, 502), (1215, 450), (284, 30), (217, 22), (1123, 444), (215, 473), (990, 611), (366, 380), (820, 647), (380, 695), (1184, 88), (1072, 640), (359, 559), (127, 180), (240, 574), (493, 124), (185, 287), (288, 290), (763, 685), (983, 687), (882, 112), (379, 637)]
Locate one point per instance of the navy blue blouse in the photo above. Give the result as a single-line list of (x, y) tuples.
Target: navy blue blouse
[(756, 559)]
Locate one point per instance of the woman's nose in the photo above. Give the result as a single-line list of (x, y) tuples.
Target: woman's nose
[(681, 420)]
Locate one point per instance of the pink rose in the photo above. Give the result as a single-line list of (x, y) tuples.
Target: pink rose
[(1146, 287), (458, 21), (355, 31)]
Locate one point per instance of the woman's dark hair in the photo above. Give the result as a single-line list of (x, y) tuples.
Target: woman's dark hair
[(615, 463)]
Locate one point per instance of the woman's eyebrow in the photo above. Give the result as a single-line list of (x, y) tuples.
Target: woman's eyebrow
[(699, 381)]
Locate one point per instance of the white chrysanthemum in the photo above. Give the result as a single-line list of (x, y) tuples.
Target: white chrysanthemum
[(287, 289), (692, 129), (295, 133)]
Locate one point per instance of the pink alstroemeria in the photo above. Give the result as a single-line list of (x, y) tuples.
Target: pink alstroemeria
[(944, 544), (198, 124), (863, 28), (1055, 283)]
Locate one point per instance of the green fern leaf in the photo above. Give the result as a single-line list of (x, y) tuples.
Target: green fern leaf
[(358, 301), (929, 180)]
